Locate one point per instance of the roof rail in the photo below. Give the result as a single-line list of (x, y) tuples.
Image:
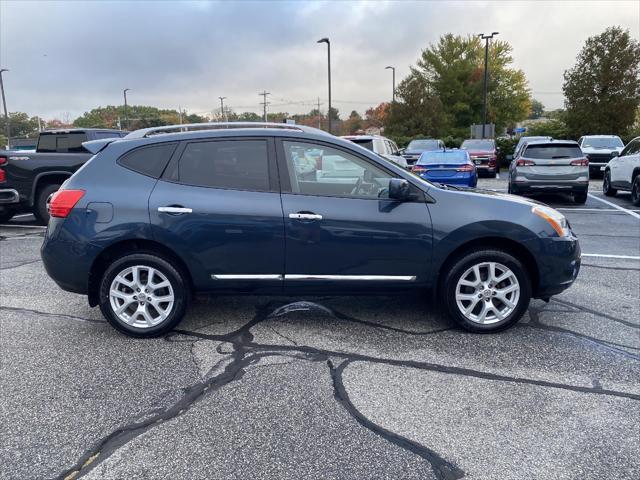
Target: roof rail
[(194, 127)]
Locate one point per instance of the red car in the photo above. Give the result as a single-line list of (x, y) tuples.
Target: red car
[(483, 154)]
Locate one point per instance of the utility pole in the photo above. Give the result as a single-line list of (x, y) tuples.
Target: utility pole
[(7, 124), (126, 114), (264, 103), (180, 113), (486, 39), (326, 40), (319, 115), (393, 94), (222, 113)]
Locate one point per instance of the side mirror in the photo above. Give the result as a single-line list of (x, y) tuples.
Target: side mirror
[(402, 150), (615, 154), (399, 189)]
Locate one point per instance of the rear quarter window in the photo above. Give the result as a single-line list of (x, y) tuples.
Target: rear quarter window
[(150, 160)]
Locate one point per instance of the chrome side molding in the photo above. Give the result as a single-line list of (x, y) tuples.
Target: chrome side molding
[(351, 278)]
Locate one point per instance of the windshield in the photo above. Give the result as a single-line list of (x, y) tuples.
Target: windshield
[(453, 157), (550, 152), (478, 145), (602, 142), (423, 145)]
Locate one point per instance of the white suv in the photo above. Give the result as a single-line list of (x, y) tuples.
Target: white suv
[(600, 149), (381, 145), (623, 172)]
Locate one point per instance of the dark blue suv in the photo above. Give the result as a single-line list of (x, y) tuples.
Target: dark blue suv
[(282, 209)]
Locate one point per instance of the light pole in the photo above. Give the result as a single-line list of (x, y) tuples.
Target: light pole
[(326, 40), (486, 39), (222, 114), (126, 115), (393, 70), (7, 125)]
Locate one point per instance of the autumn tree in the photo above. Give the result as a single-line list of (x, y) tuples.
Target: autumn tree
[(602, 90)]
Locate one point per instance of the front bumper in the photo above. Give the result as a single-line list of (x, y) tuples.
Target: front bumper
[(558, 262)]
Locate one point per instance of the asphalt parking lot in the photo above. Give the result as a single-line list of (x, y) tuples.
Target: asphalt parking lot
[(332, 387)]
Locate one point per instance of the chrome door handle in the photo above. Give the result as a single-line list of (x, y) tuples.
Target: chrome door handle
[(174, 210), (305, 216)]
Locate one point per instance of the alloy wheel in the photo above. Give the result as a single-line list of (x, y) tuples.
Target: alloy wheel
[(487, 293), (141, 296)]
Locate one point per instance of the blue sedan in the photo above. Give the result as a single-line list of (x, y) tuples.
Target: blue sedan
[(451, 167)]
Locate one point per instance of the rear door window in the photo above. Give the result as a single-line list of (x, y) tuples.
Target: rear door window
[(150, 160), (228, 164)]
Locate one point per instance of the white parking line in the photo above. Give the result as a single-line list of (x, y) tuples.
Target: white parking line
[(605, 255), (617, 207), (22, 226), (572, 209), (23, 215)]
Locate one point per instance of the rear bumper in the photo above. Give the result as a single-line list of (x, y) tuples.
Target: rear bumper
[(9, 196), (549, 186), (469, 181)]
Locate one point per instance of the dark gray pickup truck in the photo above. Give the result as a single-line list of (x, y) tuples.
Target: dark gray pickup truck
[(27, 179)]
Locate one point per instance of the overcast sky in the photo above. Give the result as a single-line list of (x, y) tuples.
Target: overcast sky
[(69, 57)]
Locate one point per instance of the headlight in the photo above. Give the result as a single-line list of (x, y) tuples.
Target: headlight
[(557, 221)]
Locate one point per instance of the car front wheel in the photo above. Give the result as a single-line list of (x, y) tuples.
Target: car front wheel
[(487, 291), (607, 189), (635, 191), (580, 198), (143, 295)]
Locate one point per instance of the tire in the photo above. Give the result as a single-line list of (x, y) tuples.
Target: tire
[(134, 320), (635, 191), (607, 189), (509, 189), (580, 198), (501, 315), (40, 206), (6, 214)]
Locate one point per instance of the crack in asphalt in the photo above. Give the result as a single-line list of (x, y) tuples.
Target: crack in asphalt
[(443, 469), (534, 314), (29, 262), (54, 315), (626, 323), (246, 352)]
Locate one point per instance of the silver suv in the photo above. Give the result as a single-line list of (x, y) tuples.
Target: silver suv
[(550, 166), (381, 145)]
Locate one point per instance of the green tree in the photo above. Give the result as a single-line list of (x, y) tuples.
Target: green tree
[(537, 109), (554, 128), (21, 124), (602, 90), (137, 116), (449, 76)]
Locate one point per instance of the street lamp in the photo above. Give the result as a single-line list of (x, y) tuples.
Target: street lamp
[(393, 96), (222, 114), (7, 126), (486, 39), (326, 40), (126, 115)]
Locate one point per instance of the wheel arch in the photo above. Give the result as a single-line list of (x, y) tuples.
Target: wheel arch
[(47, 178), (124, 247), (634, 174), (513, 247)]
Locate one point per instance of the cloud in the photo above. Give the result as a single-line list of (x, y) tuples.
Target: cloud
[(72, 56)]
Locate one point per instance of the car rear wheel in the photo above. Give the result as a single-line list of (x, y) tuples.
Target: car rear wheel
[(143, 295), (487, 291), (580, 198), (40, 208), (635, 191), (607, 189)]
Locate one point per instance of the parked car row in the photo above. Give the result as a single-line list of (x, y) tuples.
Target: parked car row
[(237, 208)]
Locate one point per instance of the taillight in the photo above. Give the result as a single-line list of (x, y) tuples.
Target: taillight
[(466, 168), (525, 163), (3, 175), (418, 170), (63, 202), (583, 162)]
